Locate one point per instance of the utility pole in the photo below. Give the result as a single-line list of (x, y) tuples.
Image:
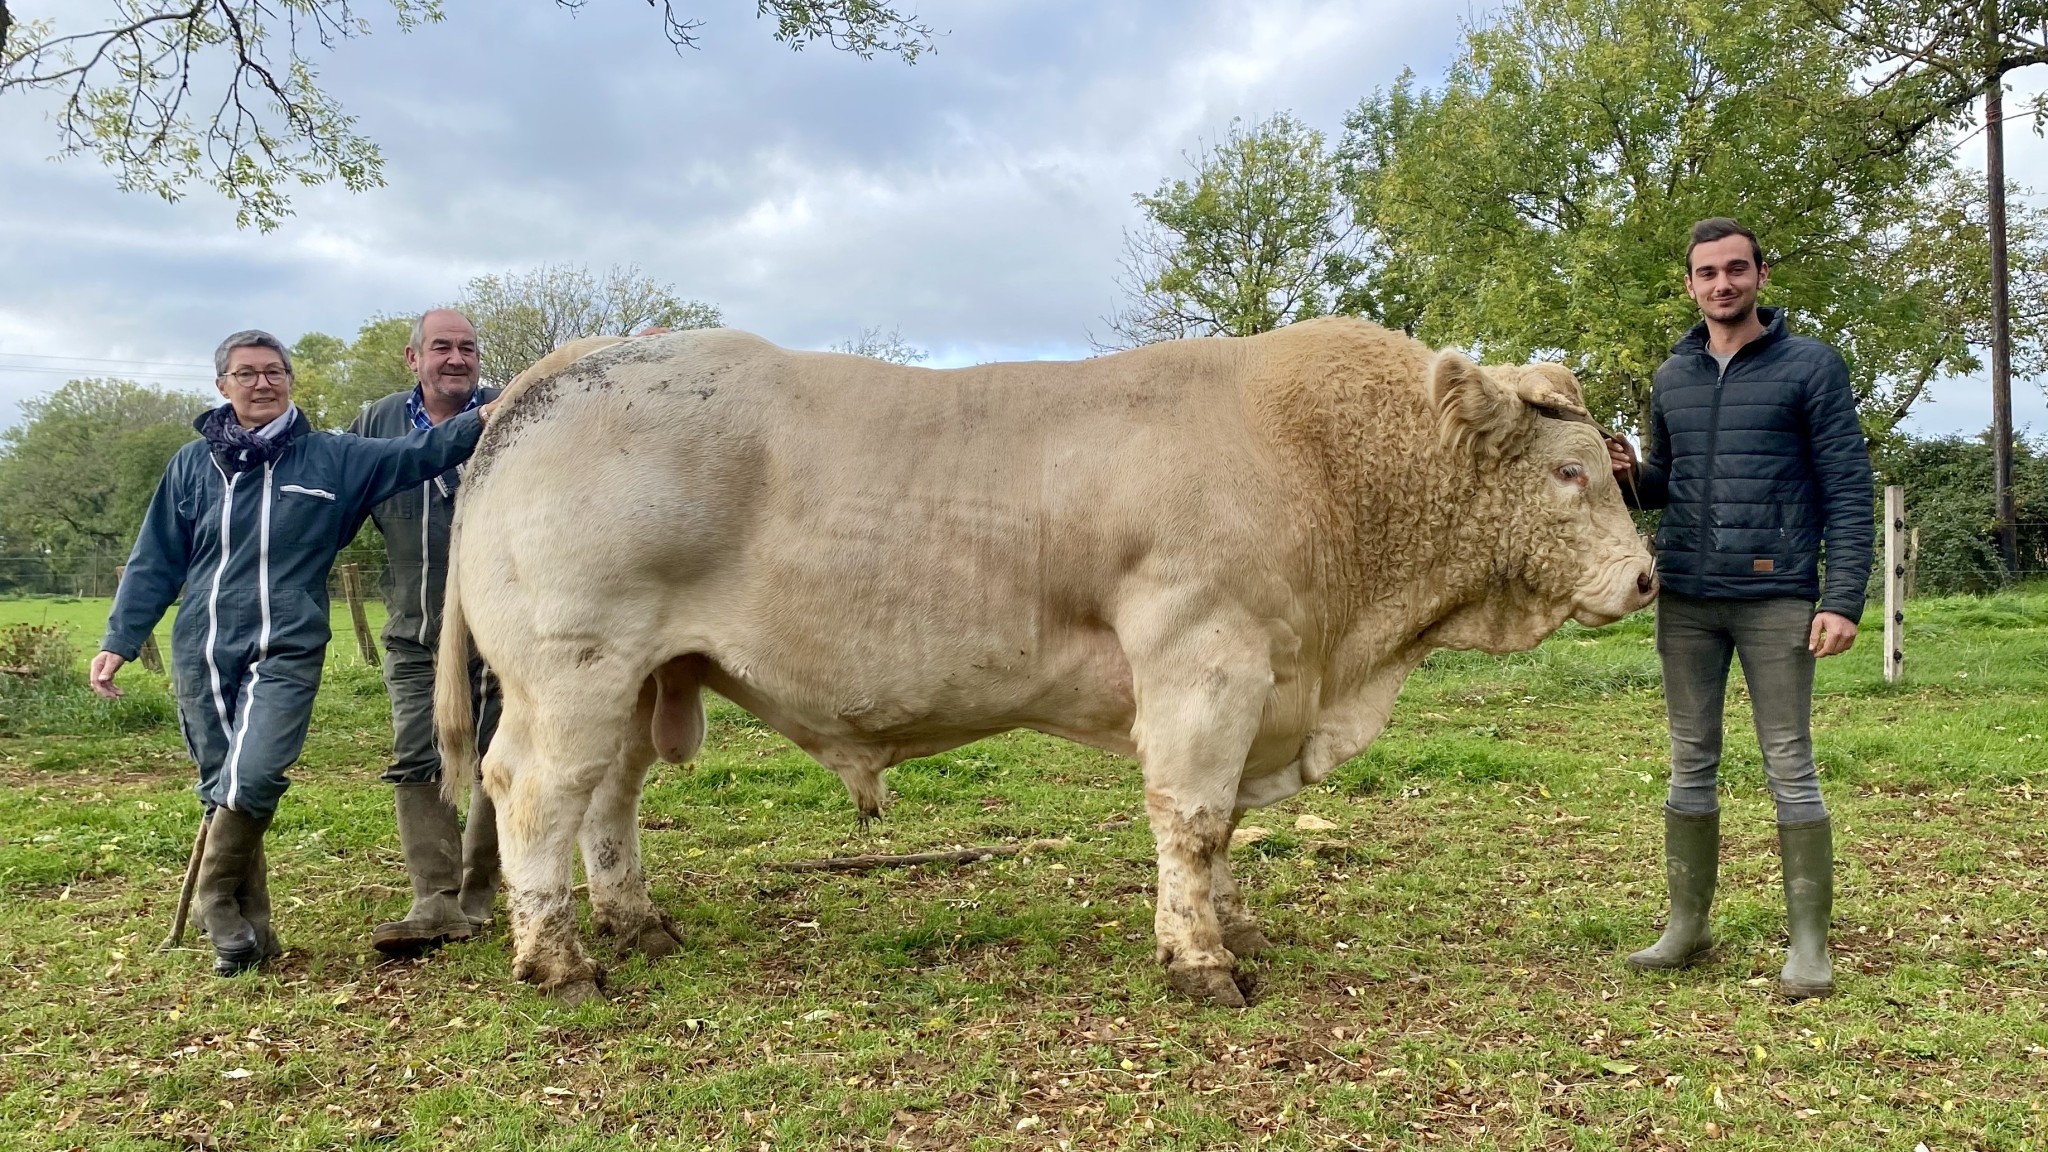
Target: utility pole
[(2001, 328)]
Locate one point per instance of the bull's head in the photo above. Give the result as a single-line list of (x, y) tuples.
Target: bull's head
[(1565, 545)]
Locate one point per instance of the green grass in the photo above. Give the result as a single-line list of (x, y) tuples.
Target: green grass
[(1447, 972)]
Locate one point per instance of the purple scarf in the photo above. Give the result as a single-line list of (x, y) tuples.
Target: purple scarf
[(242, 448)]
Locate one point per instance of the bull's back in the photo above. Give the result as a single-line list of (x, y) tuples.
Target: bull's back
[(895, 543)]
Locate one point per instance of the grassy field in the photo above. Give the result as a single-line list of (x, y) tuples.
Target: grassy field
[(1447, 972)]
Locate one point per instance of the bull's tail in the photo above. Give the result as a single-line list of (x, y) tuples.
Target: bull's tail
[(454, 714)]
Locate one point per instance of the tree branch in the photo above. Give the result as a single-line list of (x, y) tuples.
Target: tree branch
[(868, 863)]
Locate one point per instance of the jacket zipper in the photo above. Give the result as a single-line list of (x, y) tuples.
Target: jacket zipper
[(1706, 540)]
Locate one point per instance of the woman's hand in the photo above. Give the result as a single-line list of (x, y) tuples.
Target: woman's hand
[(104, 666)]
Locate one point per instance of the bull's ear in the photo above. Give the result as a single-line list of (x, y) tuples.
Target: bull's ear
[(1552, 388), (1474, 409)]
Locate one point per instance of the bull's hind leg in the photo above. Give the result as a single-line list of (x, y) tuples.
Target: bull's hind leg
[(1199, 698), (620, 906), (1241, 933), (553, 748)]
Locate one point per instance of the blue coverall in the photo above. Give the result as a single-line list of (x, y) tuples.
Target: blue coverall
[(251, 547)]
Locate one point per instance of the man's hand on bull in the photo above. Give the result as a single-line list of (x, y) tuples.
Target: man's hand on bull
[(1832, 634), (104, 666), (486, 411), (1621, 456)]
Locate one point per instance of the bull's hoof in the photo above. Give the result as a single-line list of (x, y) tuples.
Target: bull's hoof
[(654, 937), (1212, 985), (657, 938), (1244, 939), (575, 993), (556, 978)]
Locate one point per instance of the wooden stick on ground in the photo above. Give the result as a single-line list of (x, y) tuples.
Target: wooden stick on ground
[(184, 907), (957, 856)]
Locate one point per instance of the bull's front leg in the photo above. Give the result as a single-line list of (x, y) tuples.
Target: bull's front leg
[(1198, 712)]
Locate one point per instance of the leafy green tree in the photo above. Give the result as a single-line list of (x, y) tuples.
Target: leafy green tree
[(332, 380), (879, 345), (1258, 238), (1537, 204), (225, 92), (521, 317), (78, 472), (1929, 61)]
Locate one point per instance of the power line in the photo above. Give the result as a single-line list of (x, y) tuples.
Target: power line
[(108, 360), (54, 370)]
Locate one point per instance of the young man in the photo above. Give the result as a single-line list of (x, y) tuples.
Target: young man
[(454, 870), (1759, 462)]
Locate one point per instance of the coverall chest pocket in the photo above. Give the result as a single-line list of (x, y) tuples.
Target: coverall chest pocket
[(305, 511)]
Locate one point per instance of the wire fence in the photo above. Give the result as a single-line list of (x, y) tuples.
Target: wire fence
[(95, 576)]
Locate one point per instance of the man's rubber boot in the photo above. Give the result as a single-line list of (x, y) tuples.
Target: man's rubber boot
[(432, 839), (479, 859), (1692, 859), (256, 904), (1808, 849), (233, 840)]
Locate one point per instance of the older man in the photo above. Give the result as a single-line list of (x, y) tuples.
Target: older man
[(454, 871), (246, 522)]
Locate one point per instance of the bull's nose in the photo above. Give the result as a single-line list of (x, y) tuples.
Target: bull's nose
[(1645, 582)]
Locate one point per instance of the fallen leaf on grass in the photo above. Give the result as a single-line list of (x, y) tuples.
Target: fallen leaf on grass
[(1618, 1067), (1310, 822)]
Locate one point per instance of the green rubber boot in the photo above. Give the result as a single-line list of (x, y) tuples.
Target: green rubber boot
[(432, 838), (234, 843), (479, 859), (1808, 850), (1692, 860)]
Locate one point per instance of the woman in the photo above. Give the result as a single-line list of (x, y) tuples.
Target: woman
[(247, 521)]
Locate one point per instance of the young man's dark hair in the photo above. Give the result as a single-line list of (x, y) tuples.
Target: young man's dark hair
[(1720, 228)]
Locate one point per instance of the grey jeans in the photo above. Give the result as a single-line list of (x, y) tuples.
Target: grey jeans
[(1695, 639), (409, 678)]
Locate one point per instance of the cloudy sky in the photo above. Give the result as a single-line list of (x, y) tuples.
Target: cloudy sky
[(975, 200)]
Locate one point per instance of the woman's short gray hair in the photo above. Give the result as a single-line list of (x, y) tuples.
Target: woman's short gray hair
[(249, 338)]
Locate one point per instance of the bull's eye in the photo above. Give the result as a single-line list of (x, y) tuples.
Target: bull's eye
[(1572, 473)]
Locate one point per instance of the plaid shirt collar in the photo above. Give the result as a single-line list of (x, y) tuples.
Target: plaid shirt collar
[(416, 406)]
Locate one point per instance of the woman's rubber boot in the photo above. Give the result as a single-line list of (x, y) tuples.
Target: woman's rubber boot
[(234, 842), (256, 904), (1692, 861), (432, 838), (1808, 849)]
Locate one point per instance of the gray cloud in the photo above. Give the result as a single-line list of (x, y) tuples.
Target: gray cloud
[(975, 200)]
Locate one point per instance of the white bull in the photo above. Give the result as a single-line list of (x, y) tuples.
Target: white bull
[(1222, 557)]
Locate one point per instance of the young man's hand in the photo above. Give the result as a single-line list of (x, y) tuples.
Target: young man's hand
[(1621, 456), (1831, 635)]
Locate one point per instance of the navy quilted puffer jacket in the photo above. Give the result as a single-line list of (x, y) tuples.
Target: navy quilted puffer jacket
[(1757, 467)]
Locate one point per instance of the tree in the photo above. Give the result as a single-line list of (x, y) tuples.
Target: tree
[(890, 346), (521, 317), (1260, 237), (169, 92), (1537, 204), (1935, 58), (78, 472), (332, 380)]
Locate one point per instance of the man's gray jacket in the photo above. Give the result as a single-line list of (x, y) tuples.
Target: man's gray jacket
[(1757, 466), (415, 525)]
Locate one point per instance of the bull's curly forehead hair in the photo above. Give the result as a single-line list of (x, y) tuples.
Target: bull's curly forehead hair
[(1720, 228), (249, 338)]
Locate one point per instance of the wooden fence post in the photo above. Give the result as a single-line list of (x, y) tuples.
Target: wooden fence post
[(151, 657), (1894, 583), (351, 588)]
